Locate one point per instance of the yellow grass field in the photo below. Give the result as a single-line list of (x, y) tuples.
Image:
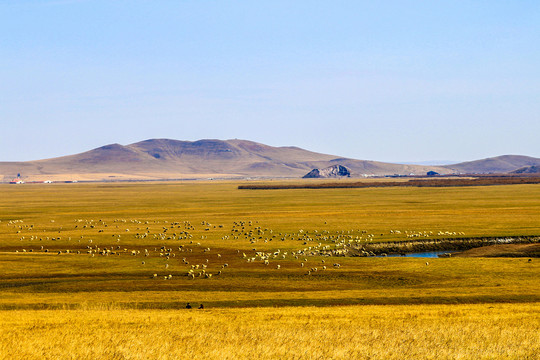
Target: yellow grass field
[(104, 271), (498, 331)]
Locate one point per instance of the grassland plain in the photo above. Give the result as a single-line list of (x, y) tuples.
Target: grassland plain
[(498, 331), (156, 246)]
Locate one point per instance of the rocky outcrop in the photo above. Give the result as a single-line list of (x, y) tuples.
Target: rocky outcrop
[(334, 171)]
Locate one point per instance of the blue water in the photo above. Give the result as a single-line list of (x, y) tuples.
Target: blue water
[(427, 254)]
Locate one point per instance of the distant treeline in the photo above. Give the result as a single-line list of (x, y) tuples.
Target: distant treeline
[(482, 181)]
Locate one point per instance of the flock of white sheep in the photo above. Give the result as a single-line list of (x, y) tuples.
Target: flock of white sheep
[(200, 261)]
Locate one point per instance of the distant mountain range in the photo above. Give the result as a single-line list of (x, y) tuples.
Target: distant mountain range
[(173, 159)]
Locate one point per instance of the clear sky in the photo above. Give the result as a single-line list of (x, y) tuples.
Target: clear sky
[(375, 80)]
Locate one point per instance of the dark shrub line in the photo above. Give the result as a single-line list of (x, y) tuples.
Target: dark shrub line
[(415, 246), (483, 181)]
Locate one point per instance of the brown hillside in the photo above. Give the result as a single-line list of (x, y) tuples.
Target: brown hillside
[(534, 169), (174, 159), (499, 164)]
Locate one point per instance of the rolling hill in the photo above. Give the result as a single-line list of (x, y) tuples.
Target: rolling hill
[(494, 165), (174, 159), (534, 169), (157, 159)]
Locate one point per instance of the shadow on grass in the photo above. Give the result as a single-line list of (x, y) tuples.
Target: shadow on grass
[(175, 305)]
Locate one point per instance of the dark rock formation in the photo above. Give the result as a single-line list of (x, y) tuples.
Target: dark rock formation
[(333, 171)]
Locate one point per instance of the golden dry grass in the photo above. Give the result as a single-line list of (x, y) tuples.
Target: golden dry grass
[(111, 306), (476, 211), (65, 281), (499, 331), (61, 217)]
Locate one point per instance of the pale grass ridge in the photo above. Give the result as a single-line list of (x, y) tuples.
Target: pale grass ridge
[(500, 331)]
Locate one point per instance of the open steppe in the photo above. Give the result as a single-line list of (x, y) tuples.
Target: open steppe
[(470, 331), (104, 270)]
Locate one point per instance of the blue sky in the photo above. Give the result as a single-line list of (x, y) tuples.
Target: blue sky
[(378, 80)]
